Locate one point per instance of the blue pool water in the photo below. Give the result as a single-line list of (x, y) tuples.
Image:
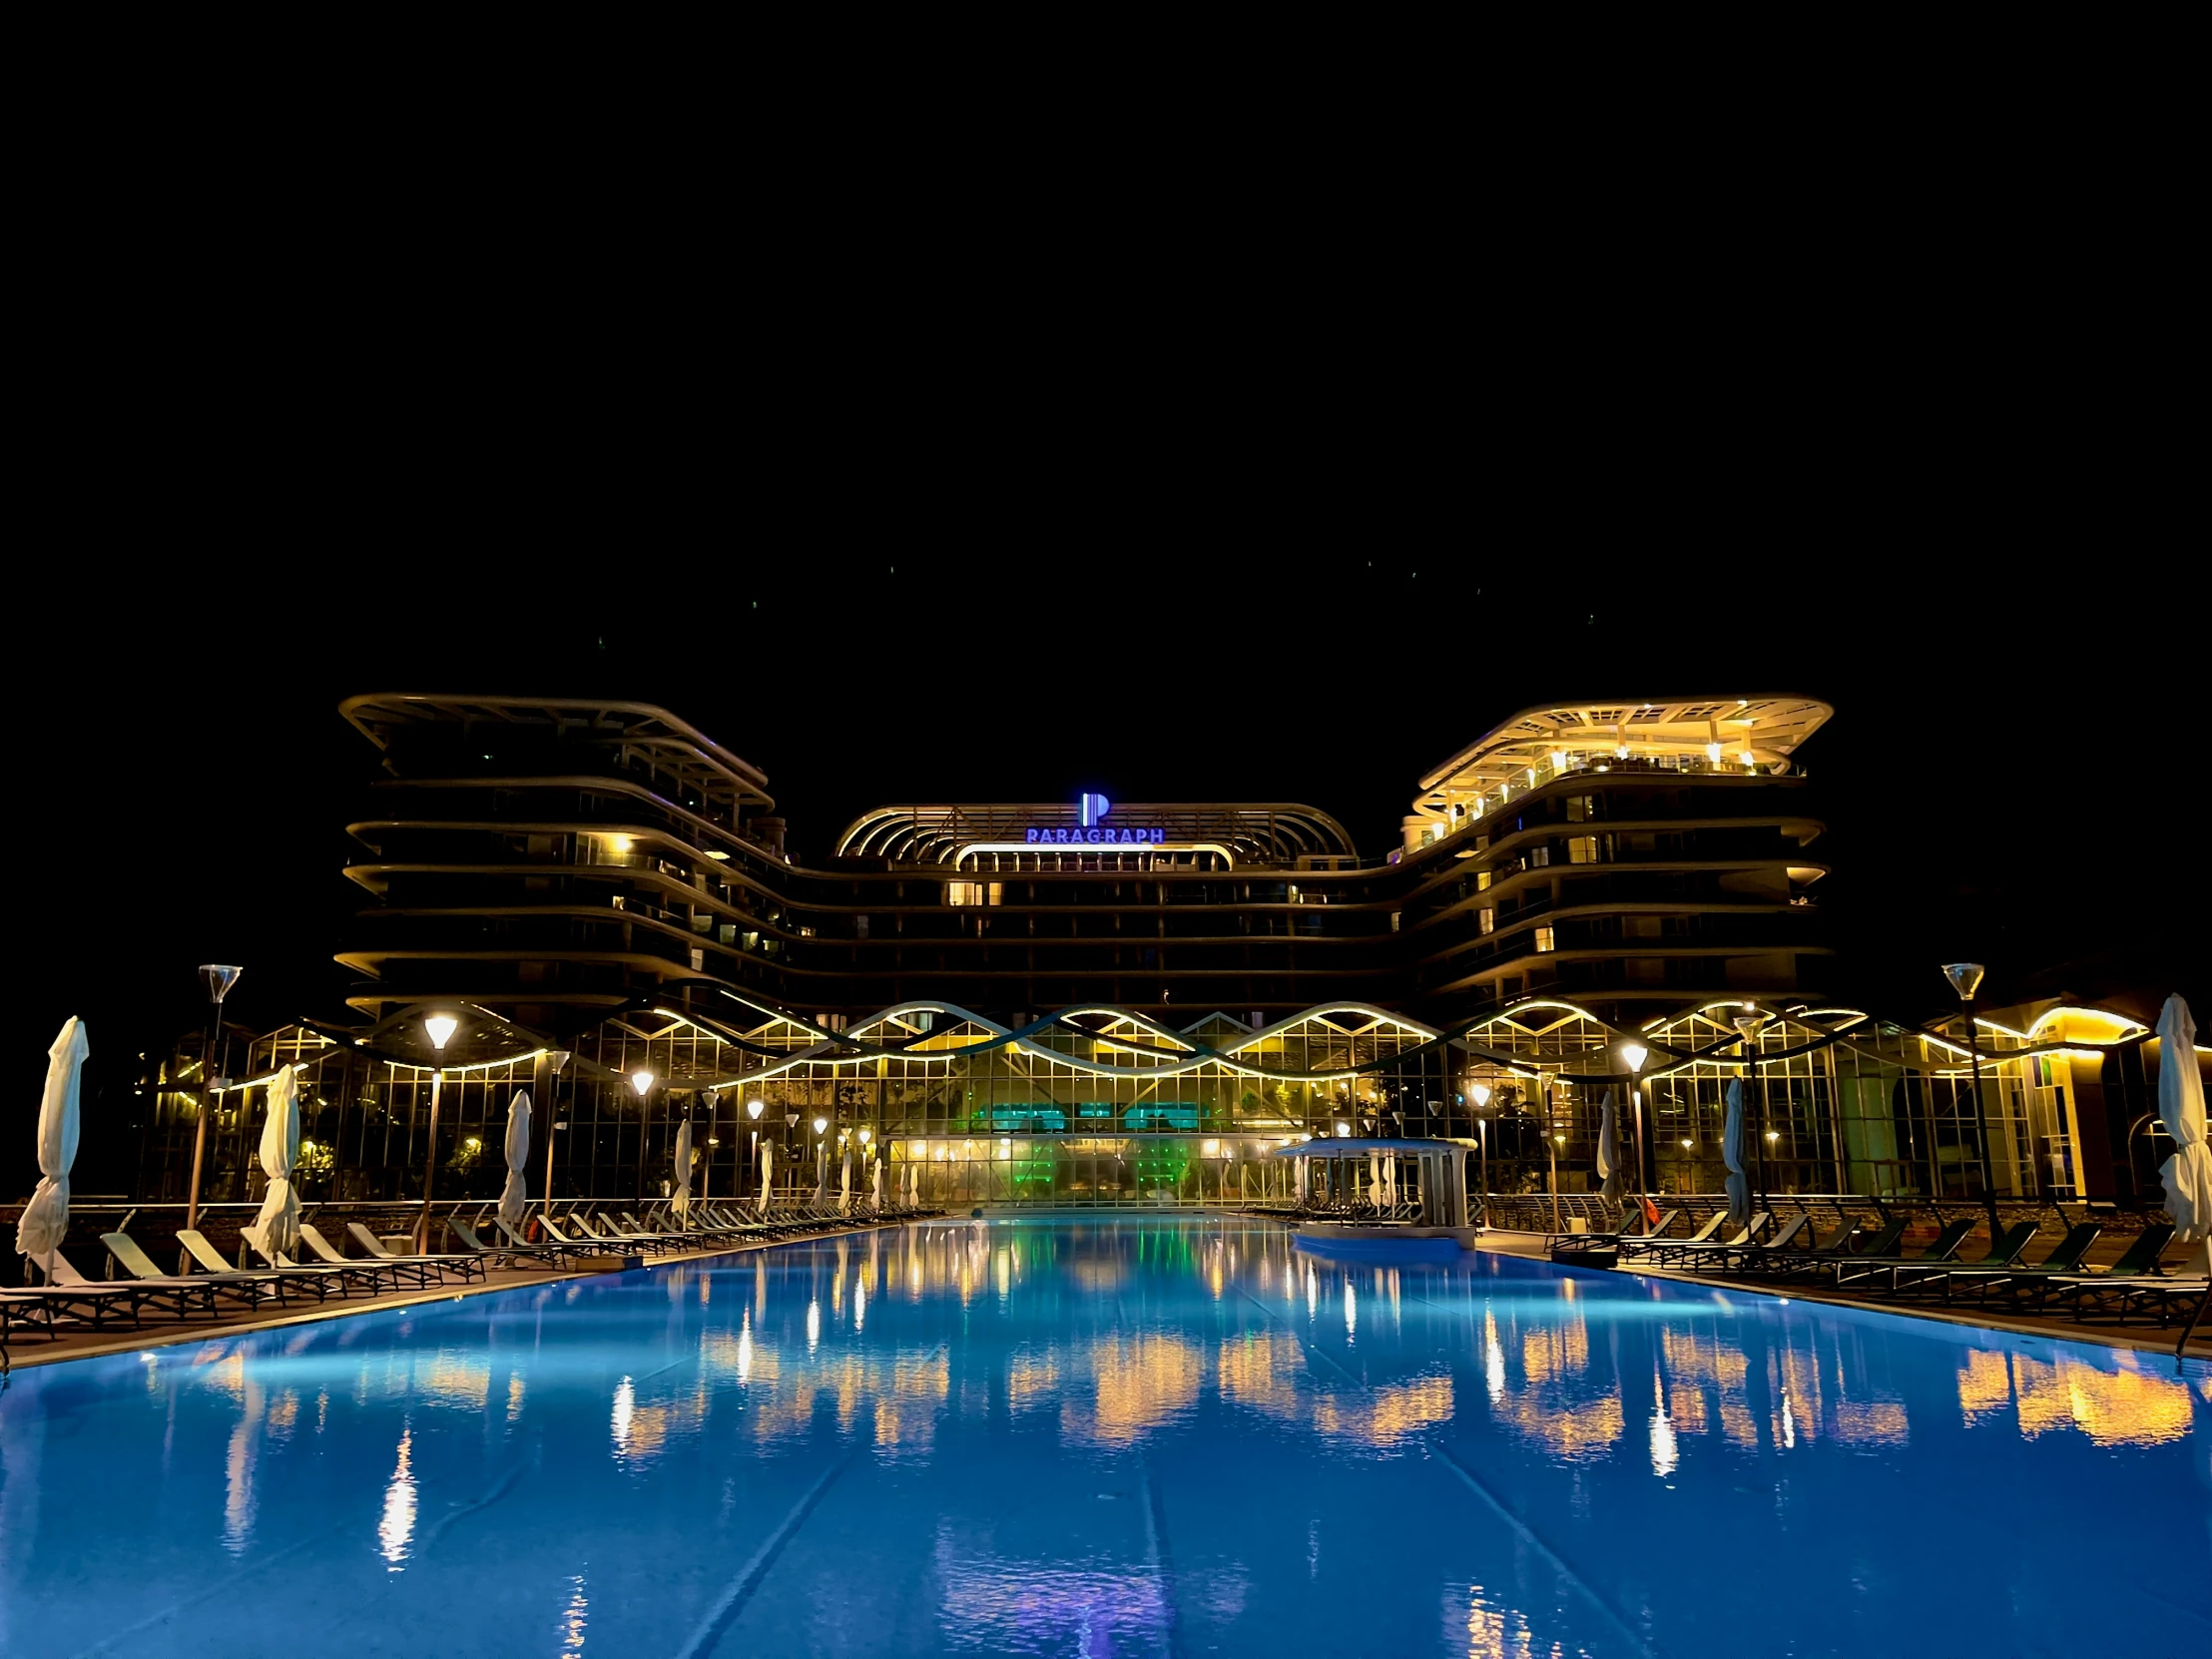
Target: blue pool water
[(1081, 1438)]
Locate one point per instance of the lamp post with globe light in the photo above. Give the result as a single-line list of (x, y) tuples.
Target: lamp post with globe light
[(439, 1028), (753, 1110), (642, 1082), (556, 1061), (1748, 1025), (1479, 1093), (822, 1156), (1633, 1055)]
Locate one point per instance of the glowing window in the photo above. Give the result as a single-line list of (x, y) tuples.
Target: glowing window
[(1544, 939)]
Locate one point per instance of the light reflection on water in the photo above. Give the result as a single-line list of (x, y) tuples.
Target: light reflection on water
[(1102, 1438)]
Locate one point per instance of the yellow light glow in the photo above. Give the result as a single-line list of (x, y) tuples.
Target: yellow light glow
[(1635, 1054), (642, 1082), (821, 1124), (753, 1109), (867, 1135), (1558, 759), (1713, 752), (440, 1028), (717, 853)]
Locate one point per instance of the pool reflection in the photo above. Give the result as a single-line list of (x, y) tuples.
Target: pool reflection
[(1086, 1436)]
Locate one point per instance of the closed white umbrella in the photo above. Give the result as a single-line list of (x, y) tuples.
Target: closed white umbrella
[(844, 1182), (1608, 1151), (1375, 1178), (879, 1184), (680, 1203), (516, 1193), (2188, 1173), (1297, 1169), (277, 1225), (768, 1175), (46, 1218), (1732, 1154)]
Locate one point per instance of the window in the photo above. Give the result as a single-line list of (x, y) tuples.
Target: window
[(974, 892), (859, 928), (1482, 880), (1394, 915), (1543, 939), (697, 960), (1489, 919), (1540, 857), (1582, 807), (1582, 850)]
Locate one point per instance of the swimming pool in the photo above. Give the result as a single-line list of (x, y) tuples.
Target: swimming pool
[(1091, 1437)]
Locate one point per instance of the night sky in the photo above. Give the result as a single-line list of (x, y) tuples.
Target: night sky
[(1994, 776)]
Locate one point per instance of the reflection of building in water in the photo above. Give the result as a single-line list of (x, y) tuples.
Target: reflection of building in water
[(1138, 1382), (2117, 1407)]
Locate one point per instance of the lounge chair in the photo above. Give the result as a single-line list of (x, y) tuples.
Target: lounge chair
[(1637, 1244), (344, 1274), (2006, 1247), (2065, 1258), (544, 1255), (1869, 1267), (2136, 1268), (466, 1266), (604, 1230), (71, 1291), (249, 1287), (1819, 1258), (1734, 1258), (393, 1274), (555, 1246), (1677, 1252)]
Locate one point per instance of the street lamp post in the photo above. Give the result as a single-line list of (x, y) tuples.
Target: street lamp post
[(219, 977), (555, 1064), (707, 1164), (1965, 980), (1634, 1054), (439, 1028), (642, 1082), (753, 1110), (1748, 1026), (1479, 1093), (822, 1157), (1551, 1145)]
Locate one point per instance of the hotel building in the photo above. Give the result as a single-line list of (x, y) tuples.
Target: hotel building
[(1102, 1002)]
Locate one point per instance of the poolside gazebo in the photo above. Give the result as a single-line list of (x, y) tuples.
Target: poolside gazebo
[(1340, 1179)]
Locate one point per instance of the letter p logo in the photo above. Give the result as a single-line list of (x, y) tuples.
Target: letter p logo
[(1091, 808)]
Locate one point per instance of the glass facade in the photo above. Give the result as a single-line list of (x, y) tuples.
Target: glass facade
[(1103, 1106)]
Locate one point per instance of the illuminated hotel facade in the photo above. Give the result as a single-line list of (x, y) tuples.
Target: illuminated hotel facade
[(1097, 1002)]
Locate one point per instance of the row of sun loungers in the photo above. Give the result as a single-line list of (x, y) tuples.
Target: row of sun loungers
[(212, 1283), (1873, 1265)]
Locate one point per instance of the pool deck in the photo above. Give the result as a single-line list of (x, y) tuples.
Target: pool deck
[(37, 1348), (2144, 1339)]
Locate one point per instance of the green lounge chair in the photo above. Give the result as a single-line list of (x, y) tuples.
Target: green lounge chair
[(1870, 1267), (2065, 1258)]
